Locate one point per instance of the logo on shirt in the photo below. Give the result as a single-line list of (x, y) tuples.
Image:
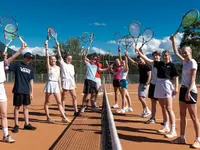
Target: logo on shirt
[(25, 70)]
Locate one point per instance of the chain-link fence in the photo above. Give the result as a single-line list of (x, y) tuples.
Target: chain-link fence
[(132, 78)]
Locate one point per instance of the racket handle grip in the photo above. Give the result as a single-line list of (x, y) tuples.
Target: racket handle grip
[(5, 50), (21, 39), (175, 34)]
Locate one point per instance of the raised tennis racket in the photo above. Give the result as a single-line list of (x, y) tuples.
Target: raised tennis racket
[(146, 36), (51, 33), (127, 42), (10, 26), (135, 31), (90, 41), (117, 37), (188, 19), (84, 38)]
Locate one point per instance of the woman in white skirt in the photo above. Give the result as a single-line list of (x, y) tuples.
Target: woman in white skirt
[(164, 90), (53, 86), (187, 94)]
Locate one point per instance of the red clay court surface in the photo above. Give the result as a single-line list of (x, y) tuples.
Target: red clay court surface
[(84, 132)]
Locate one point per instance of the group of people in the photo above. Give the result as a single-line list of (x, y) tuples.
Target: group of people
[(156, 79)]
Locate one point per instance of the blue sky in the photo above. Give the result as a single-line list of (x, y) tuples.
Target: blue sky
[(104, 17)]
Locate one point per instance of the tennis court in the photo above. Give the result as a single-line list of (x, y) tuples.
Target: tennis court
[(85, 131)]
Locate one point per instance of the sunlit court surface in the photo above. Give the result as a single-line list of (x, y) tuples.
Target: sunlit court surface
[(85, 131)]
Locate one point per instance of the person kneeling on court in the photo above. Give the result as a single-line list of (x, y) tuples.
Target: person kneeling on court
[(23, 89), (90, 86)]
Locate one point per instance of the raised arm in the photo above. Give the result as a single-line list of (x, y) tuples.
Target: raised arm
[(105, 69), (59, 53), (126, 63), (47, 56), (10, 59), (119, 53), (130, 59), (175, 49), (149, 61)]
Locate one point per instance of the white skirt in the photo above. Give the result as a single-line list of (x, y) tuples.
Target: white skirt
[(163, 89), (98, 81), (52, 87), (3, 96), (68, 84)]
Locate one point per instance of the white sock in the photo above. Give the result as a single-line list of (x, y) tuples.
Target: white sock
[(146, 109), (173, 127), (198, 138), (166, 125), (5, 132)]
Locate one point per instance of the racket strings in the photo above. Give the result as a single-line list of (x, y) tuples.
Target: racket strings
[(190, 18)]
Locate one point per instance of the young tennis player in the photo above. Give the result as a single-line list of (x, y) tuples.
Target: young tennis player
[(67, 79), (126, 100), (144, 79), (3, 98), (164, 90), (188, 94), (53, 86), (90, 86)]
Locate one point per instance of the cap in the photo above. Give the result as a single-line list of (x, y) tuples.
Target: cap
[(28, 54)]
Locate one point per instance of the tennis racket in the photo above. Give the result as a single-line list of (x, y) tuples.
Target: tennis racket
[(188, 19), (10, 26), (84, 40), (51, 33), (135, 31), (127, 42), (147, 35), (90, 41)]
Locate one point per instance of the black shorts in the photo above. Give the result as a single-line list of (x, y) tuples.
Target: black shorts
[(90, 87), (21, 99), (182, 93), (151, 91), (116, 83)]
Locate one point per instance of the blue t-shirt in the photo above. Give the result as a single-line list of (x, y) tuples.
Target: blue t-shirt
[(23, 75), (91, 71)]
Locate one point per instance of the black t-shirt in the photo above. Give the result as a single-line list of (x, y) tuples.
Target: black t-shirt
[(165, 71), (23, 75), (143, 70)]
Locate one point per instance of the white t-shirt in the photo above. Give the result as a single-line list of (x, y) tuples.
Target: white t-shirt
[(153, 75), (67, 75), (2, 72), (123, 74), (91, 71), (186, 73)]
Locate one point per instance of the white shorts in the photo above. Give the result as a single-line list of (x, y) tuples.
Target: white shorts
[(68, 84), (3, 96), (52, 87), (98, 81), (164, 88), (141, 91)]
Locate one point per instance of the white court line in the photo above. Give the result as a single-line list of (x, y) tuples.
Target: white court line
[(143, 119)]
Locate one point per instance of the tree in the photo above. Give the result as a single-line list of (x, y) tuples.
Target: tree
[(191, 37)]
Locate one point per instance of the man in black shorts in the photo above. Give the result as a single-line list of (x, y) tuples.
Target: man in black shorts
[(23, 89)]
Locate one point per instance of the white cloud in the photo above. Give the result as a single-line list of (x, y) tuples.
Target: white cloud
[(35, 50), (156, 44), (100, 51), (112, 42), (99, 24)]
